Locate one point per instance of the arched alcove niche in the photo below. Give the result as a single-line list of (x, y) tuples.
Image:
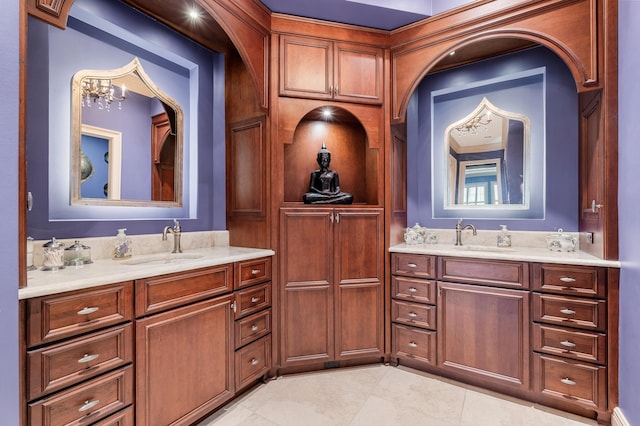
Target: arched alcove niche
[(351, 155), (532, 80)]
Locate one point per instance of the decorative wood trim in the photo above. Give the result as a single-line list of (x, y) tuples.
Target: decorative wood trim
[(576, 41), (54, 12), (618, 418)]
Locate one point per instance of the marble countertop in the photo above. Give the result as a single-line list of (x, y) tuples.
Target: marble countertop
[(108, 271), (528, 254)]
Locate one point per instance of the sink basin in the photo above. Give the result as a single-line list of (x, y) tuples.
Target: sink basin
[(472, 247), (162, 258)]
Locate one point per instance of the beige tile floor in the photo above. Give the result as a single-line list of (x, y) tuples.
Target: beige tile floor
[(380, 395)]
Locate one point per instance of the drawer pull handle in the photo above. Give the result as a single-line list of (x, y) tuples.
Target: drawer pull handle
[(88, 405), (567, 311), (87, 311), (412, 314), (413, 290), (568, 344), (412, 265), (255, 361), (568, 280), (255, 271), (255, 299), (568, 381), (88, 358), (413, 344), (254, 327)]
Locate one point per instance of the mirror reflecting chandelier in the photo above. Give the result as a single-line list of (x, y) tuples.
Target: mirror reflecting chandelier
[(101, 91), (473, 126)]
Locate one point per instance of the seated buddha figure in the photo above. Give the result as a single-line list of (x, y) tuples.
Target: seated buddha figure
[(324, 185)]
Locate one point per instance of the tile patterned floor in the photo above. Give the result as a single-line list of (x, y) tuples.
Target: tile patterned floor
[(381, 395)]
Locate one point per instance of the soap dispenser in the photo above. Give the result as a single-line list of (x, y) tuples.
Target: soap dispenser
[(504, 237), (122, 246)]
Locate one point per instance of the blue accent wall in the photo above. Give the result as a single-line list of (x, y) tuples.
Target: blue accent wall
[(9, 107), (186, 71), (561, 136), (629, 207)]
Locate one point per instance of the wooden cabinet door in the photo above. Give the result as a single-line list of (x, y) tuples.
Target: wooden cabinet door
[(306, 67), (358, 73), (184, 362), (306, 293), (483, 332), (359, 276)]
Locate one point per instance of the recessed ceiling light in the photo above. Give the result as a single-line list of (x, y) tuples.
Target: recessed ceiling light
[(193, 13), (326, 113), (453, 52)]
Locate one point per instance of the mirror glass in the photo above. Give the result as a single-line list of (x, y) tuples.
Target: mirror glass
[(487, 158), (126, 140)]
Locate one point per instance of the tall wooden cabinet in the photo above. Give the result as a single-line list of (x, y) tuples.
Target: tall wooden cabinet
[(332, 292)]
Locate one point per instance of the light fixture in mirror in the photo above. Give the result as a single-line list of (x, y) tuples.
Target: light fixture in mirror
[(488, 148), (487, 158), (127, 137)]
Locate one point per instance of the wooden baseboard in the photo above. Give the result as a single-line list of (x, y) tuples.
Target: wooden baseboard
[(618, 419)]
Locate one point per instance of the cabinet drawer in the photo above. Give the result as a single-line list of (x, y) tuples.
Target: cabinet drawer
[(581, 345), (157, 294), (497, 273), (69, 314), (253, 272), (86, 403), (582, 383), (414, 343), (253, 361), (250, 328), (58, 366), (415, 290), (414, 314), (252, 300), (121, 418), (413, 265), (570, 279), (570, 311)]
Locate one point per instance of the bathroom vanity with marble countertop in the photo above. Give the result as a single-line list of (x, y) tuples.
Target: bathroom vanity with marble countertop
[(523, 320), (157, 338)]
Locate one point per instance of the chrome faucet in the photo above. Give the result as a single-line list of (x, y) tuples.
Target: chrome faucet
[(460, 228), (176, 230)]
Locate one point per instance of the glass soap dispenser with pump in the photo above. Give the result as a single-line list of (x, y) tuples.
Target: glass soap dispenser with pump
[(122, 245), (504, 237)]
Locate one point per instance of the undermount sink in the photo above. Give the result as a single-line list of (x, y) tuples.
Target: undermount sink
[(472, 247), (162, 258)]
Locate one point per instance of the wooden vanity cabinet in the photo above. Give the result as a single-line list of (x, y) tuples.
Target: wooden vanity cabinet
[(543, 332), (571, 334), (331, 291), (79, 356), (252, 313), (184, 345), (316, 68)]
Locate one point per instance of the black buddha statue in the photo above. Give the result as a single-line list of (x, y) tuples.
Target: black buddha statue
[(324, 185)]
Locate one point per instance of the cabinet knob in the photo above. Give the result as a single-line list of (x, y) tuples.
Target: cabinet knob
[(567, 311), (568, 344), (568, 280), (568, 381), (87, 311), (412, 290), (88, 405), (255, 361), (255, 271), (412, 265), (88, 358), (255, 299), (413, 344), (254, 327), (412, 314)]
